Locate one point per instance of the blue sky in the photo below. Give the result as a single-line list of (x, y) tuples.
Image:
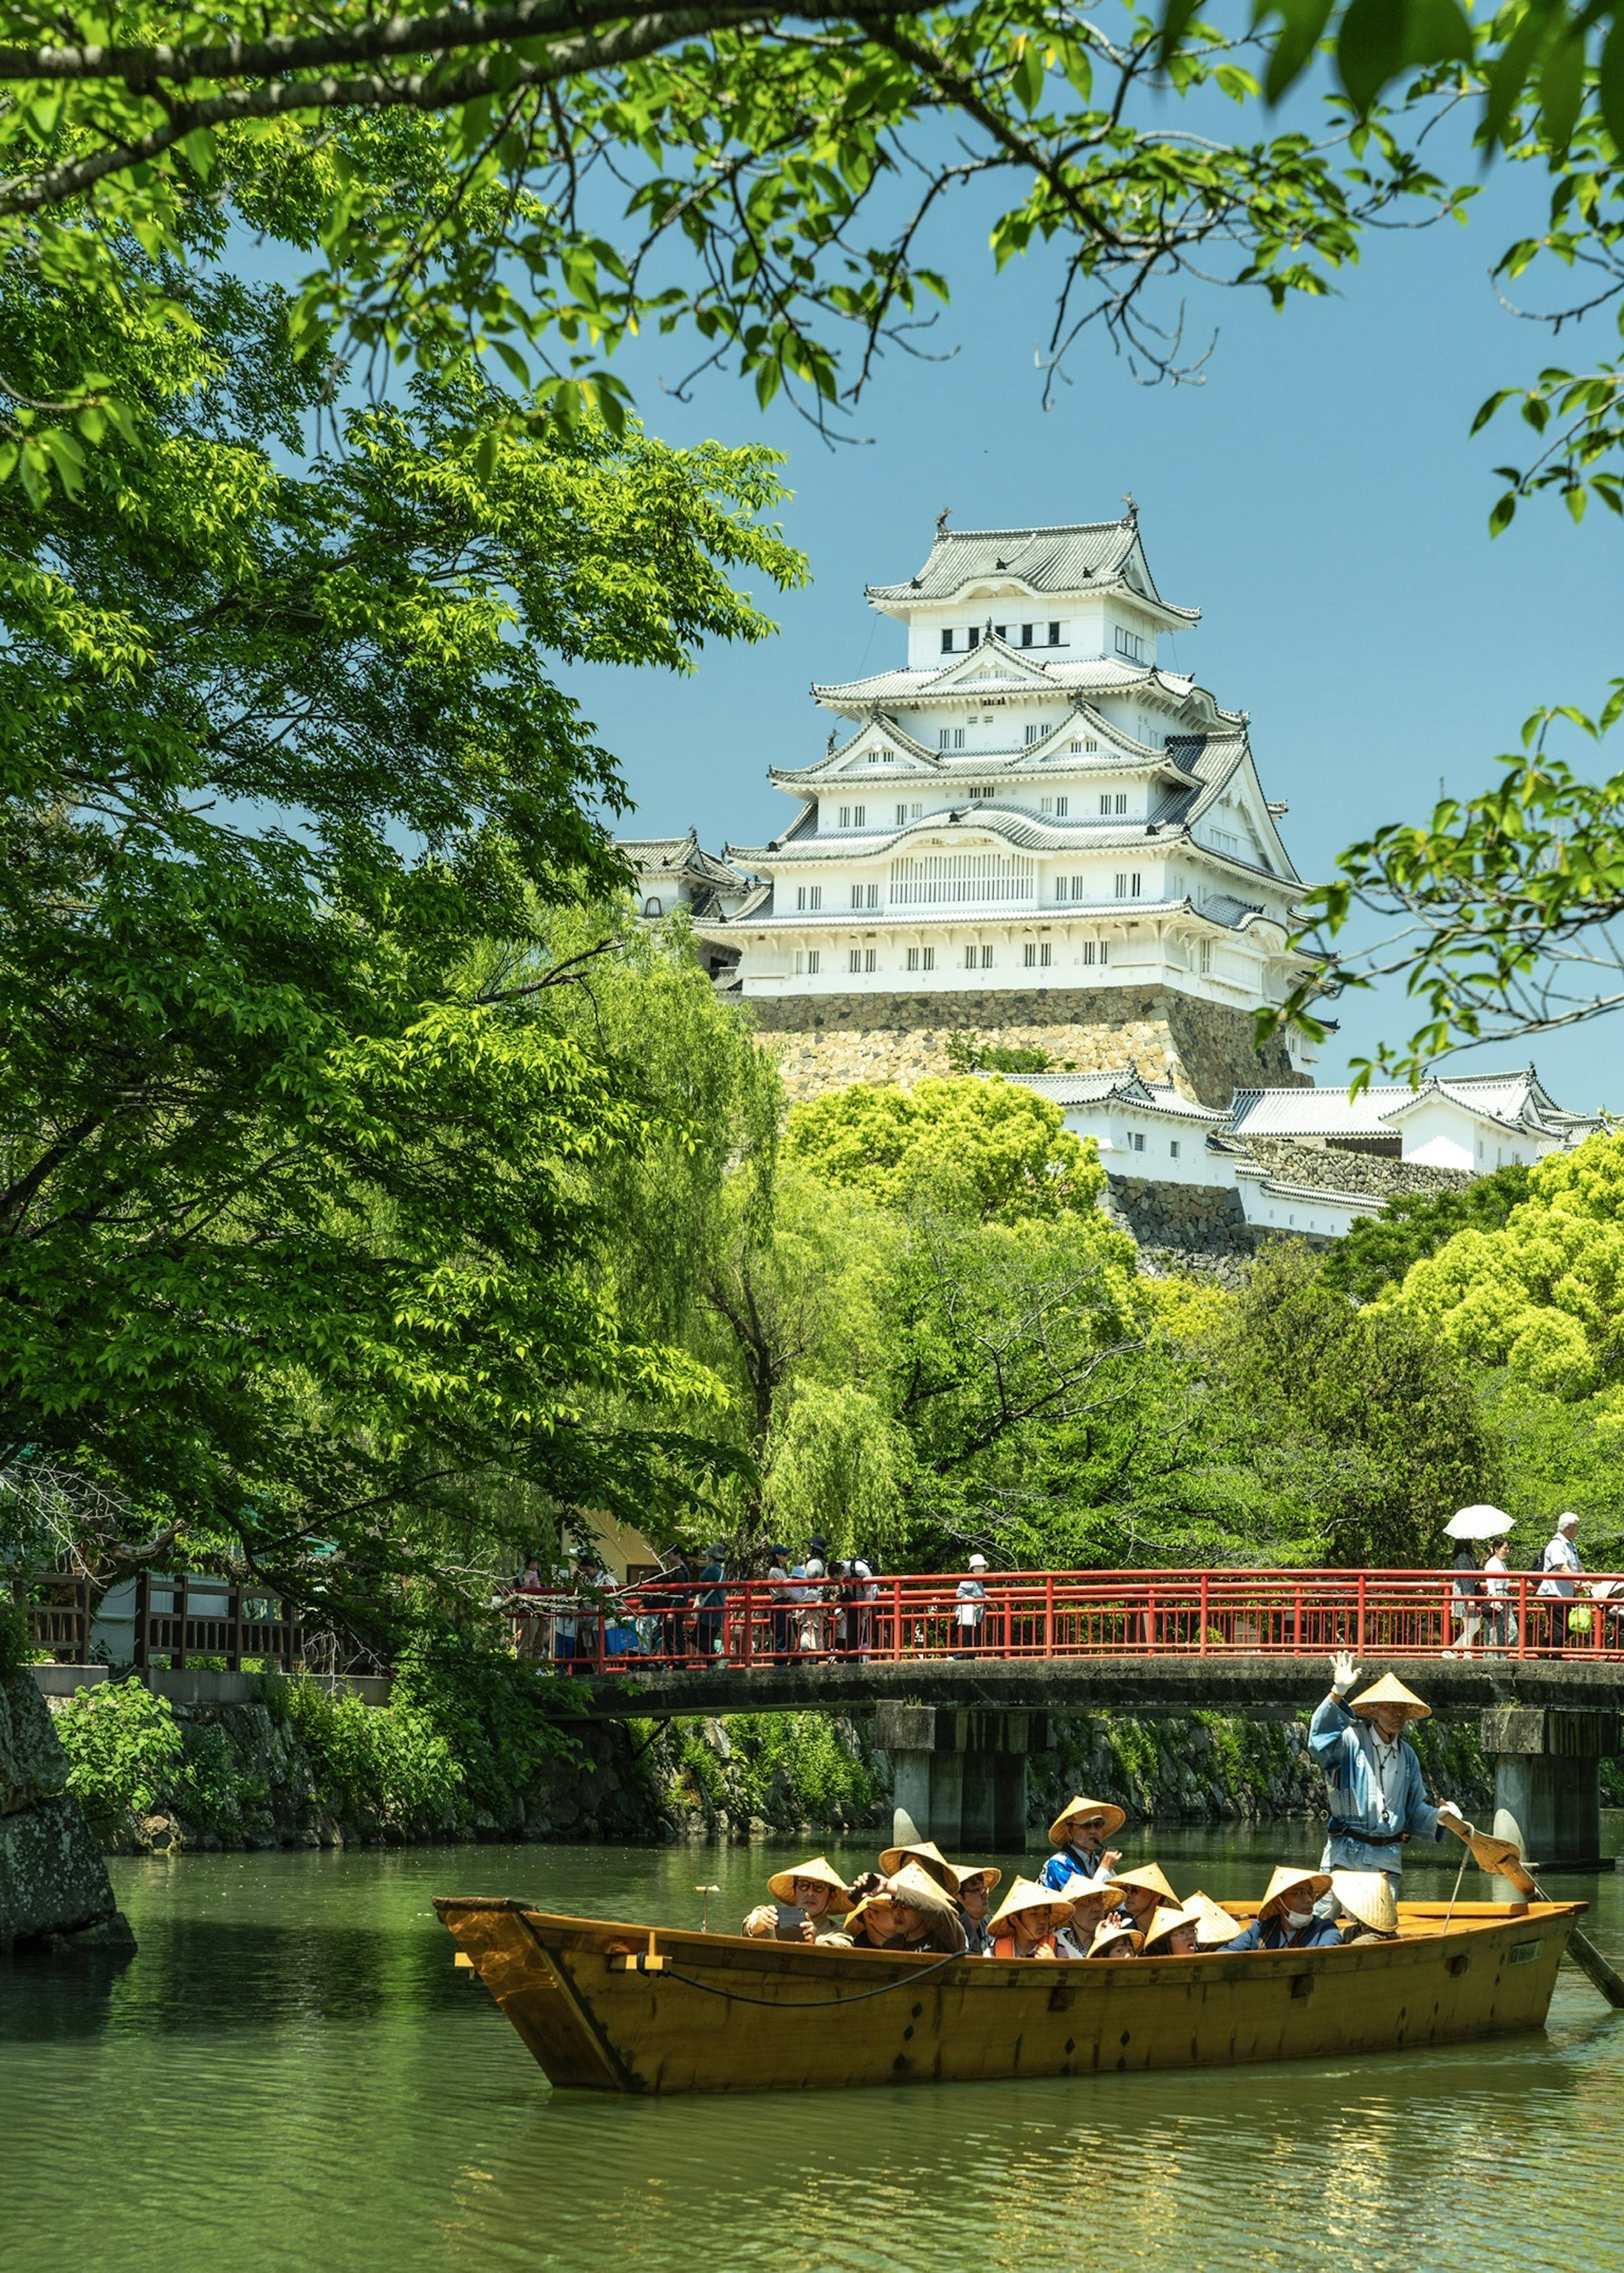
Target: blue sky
[(1316, 498)]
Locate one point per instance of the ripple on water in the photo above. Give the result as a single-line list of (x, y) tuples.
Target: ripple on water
[(290, 2075)]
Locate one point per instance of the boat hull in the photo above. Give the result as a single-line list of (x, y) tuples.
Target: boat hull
[(607, 2006)]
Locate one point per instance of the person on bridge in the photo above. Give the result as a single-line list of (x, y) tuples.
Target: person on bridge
[(814, 1889), (1140, 1893), (1026, 1921), (1286, 1919), (1373, 1782), (1080, 1831), (1561, 1564)]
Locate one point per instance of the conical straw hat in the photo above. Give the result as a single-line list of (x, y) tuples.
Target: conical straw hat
[(1283, 1878), (1391, 1691), (1164, 1923), (1148, 1874), (1027, 1894), (912, 1886), (1110, 1819), (1108, 1934), (967, 1873), (1091, 1903), (1214, 1924), (929, 1858), (1366, 1896), (782, 1883)]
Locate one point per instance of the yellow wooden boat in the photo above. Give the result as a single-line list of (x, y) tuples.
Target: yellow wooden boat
[(606, 2007)]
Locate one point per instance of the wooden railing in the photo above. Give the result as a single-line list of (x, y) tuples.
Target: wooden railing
[(1069, 1613), (177, 1620)]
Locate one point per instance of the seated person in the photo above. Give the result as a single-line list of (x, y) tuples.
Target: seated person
[(929, 1858), (1080, 1831), (1172, 1933), (1285, 1918), (1025, 1921), (1115, 1939), (905, 1910), (1365, 1899), (1140, 1894), (1090, 1909), (815, 1890), (976, 1881), (1213, 1923)]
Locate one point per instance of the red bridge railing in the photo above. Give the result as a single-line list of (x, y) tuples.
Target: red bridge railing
[(1067, 1614)]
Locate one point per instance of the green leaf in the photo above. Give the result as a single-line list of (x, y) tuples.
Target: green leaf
[(1370, 47), (1610, 81), (1561, 85)]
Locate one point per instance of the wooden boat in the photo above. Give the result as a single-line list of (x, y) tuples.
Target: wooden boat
[(606, 2007)]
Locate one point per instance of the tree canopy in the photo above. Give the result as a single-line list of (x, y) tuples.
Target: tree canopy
[(987, 1146), (1377, 1251)]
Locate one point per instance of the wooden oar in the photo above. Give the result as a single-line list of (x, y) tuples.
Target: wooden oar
[(1501, 1859)]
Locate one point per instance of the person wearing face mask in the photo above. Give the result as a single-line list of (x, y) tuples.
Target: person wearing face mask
[(1374, 1782), (1285, 1918)]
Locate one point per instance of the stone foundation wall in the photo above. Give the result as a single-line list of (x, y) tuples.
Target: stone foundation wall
[(1326, 1167), (1184, 1227), (829, 1041), (54, 1893)]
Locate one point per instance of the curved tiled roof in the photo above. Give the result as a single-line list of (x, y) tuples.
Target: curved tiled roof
[(1071, 557), (1104, 674)]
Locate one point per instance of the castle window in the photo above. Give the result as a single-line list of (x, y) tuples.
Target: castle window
[(1206, 958), (1046, 805), (1128, 887), (921, 958), (902, 812), (987, 958), (931, 958), (912, 958), (952, 737), (1033, 733), (859, 815), (1054, 634), (1026, 634), (809, 896), (1129, 644), (865, 895), (915, 811), (652, 908), (814, 957), (970, 962), (947, 642), (846, 816), (854, 961), (1172, 1148), (1061, 807), (999, 631), (1093, 951), (973, 636), (807, 964), (1037, 955), (1136, 1140), (981, 790), (1076, 747), (878, 757)]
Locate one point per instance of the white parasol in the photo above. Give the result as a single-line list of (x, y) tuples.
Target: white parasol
[(1480, 1522)]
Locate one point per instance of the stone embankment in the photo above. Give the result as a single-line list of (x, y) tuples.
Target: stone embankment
[(54, 1893), (1184, 1227)]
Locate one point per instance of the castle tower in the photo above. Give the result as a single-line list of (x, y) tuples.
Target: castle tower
[(1032, 830)]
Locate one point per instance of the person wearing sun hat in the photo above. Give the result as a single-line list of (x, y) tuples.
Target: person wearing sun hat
[(1080, 1832), (976, 1881), (1114, 1939), (1026, 1921), (1091, 1905), (930, 1860), (1214, 1924), (817, 1890), (1369, 1911), (1140, 1893), (1173, 1933), (1286, 1919), (1374, 1782), (906, 1910)]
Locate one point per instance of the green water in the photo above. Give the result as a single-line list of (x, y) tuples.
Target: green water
[(291, 2075)]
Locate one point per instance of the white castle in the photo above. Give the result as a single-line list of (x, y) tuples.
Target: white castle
[(1033, 799)]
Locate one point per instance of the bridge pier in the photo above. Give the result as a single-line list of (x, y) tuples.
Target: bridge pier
[(958, 1772), (1547, 1783)]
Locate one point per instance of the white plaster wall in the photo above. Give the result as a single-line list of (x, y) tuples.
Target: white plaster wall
[(1114, 1127)]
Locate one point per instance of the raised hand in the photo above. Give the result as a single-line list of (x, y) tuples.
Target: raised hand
[(1109, 1861), (1344, 1672)]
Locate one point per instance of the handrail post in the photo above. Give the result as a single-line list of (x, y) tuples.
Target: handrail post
[(1048, 1613), (1201, 1646), (234, 1629), (1359, 1647), (142, 1613)]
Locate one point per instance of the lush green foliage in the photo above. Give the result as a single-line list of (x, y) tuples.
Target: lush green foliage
[(1544, 1296), (969, 1054), (302, 1229), (1378, 1250), (123, 1745), (371, 1764), (988, 1148)]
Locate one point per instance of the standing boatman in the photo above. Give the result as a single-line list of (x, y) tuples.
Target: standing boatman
[(1373, 1782)]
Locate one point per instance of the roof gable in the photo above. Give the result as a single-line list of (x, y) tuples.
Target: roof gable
[(1072, 559)]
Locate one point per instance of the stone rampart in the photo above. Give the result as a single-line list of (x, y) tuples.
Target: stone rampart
[(1200, 1227), (828, 1041), (1329, 1167)]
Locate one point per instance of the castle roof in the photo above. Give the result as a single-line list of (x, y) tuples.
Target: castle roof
[(678, 856), (966, 677), (1075, 558)]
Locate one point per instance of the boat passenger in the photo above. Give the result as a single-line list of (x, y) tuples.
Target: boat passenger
[(904, 1910), (1025, 1921), (1213, 1923), (1115, 1939), (1140, 1894), (976, 1881), (1365, 1899), (1089, 1911), (814, 1889), (930, 1860), (1286, 1919), (1172, 1933), (1373, 1782), (871, 1924), (1080, 1831)]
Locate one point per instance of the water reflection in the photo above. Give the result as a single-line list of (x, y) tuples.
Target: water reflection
[(290, 2074)]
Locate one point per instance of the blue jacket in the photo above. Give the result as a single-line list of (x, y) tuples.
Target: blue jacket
[(1058, 1872), (1344, 1746), (1319, 1933)]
